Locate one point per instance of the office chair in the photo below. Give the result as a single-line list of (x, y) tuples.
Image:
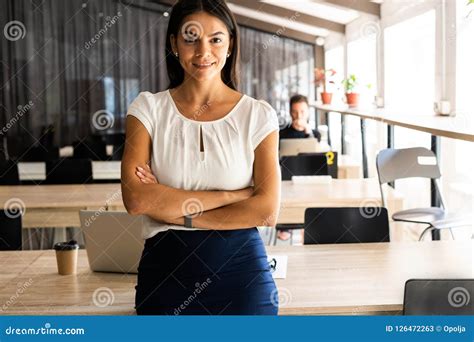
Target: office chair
[(394, 164), (69, 171), (439, 297), (332, 164), (346, 225), (93, 148), (9, 173), (40, 154), (10, 232)]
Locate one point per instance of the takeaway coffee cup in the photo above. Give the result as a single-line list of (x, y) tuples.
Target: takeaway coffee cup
[(66, 257)]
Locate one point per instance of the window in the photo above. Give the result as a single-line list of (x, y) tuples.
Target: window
[(410, 64), (410, 88), (334, 59), (362, 62)]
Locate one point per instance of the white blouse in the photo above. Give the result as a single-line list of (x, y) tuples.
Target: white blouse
[(228, 143)]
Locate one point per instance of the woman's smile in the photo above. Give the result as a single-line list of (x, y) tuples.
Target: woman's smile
[(203, 66)]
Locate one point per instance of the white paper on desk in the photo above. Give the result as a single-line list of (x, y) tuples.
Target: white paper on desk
[(278, 265), (311, 179)]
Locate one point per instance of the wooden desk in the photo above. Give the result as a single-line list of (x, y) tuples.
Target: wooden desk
[(296, 198), (58, 205), (354, 279)]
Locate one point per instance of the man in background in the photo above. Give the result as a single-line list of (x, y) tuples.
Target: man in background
[(299, 128)]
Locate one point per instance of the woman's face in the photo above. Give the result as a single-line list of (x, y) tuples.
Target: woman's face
[(203, 44)]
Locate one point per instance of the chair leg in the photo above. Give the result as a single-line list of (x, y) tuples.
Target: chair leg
[(275, 237), (291, 237), (430, 228), (41, 238)]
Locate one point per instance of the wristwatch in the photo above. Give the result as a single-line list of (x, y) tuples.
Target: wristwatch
[(188, 221)]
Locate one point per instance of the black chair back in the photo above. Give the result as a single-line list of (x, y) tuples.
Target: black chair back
[(331, 159), (69, 171), (303, 165), (91, 148), (439, 297), (9, 173), (10, 229), (346, 225), (40, 154)]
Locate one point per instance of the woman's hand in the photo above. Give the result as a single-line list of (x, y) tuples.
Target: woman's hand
[(145, 175), (244, 194)]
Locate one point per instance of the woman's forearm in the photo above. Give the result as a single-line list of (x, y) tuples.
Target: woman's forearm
[(166, 203), (255, 211)]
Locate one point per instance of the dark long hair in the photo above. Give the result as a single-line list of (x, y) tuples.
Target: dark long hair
[(218, 9)]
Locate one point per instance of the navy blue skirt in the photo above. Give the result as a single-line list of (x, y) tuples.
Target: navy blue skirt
[(205, 272)]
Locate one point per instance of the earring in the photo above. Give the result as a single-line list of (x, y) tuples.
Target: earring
[(228, 55), (176, 54)]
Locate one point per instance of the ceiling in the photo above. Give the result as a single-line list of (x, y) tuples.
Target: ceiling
[(311, 18), (301, 19)]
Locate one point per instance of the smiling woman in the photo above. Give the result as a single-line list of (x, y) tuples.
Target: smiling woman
[(201, 165)]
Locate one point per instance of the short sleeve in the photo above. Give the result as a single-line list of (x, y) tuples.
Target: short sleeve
[(142, 109), (265, 123)]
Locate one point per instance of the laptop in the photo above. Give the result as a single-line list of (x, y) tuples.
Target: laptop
[(293, 147), (113, 240)]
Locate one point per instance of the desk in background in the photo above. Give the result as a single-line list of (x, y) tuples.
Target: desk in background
[(58, 205), (353, 279), (101, 170)]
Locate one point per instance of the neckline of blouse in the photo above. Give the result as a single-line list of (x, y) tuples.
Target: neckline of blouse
[(205, 122)]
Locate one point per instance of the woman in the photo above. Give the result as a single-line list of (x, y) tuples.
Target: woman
[(214, 175)]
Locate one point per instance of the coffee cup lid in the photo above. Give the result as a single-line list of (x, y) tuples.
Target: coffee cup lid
[(66, 246)]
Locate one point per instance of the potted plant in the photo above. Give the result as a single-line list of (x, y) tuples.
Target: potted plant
[(321, 77), (350, 85)]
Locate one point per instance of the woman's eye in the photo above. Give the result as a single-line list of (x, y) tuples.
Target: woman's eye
[(190, 41), (216, 40)]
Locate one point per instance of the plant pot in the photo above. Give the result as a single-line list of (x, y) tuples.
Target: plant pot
[(326, 97), (352, 99)]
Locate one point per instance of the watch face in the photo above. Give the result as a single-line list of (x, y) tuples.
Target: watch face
[(188, 221)]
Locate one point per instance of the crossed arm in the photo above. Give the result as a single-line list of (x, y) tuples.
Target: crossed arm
[(245, 208)]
